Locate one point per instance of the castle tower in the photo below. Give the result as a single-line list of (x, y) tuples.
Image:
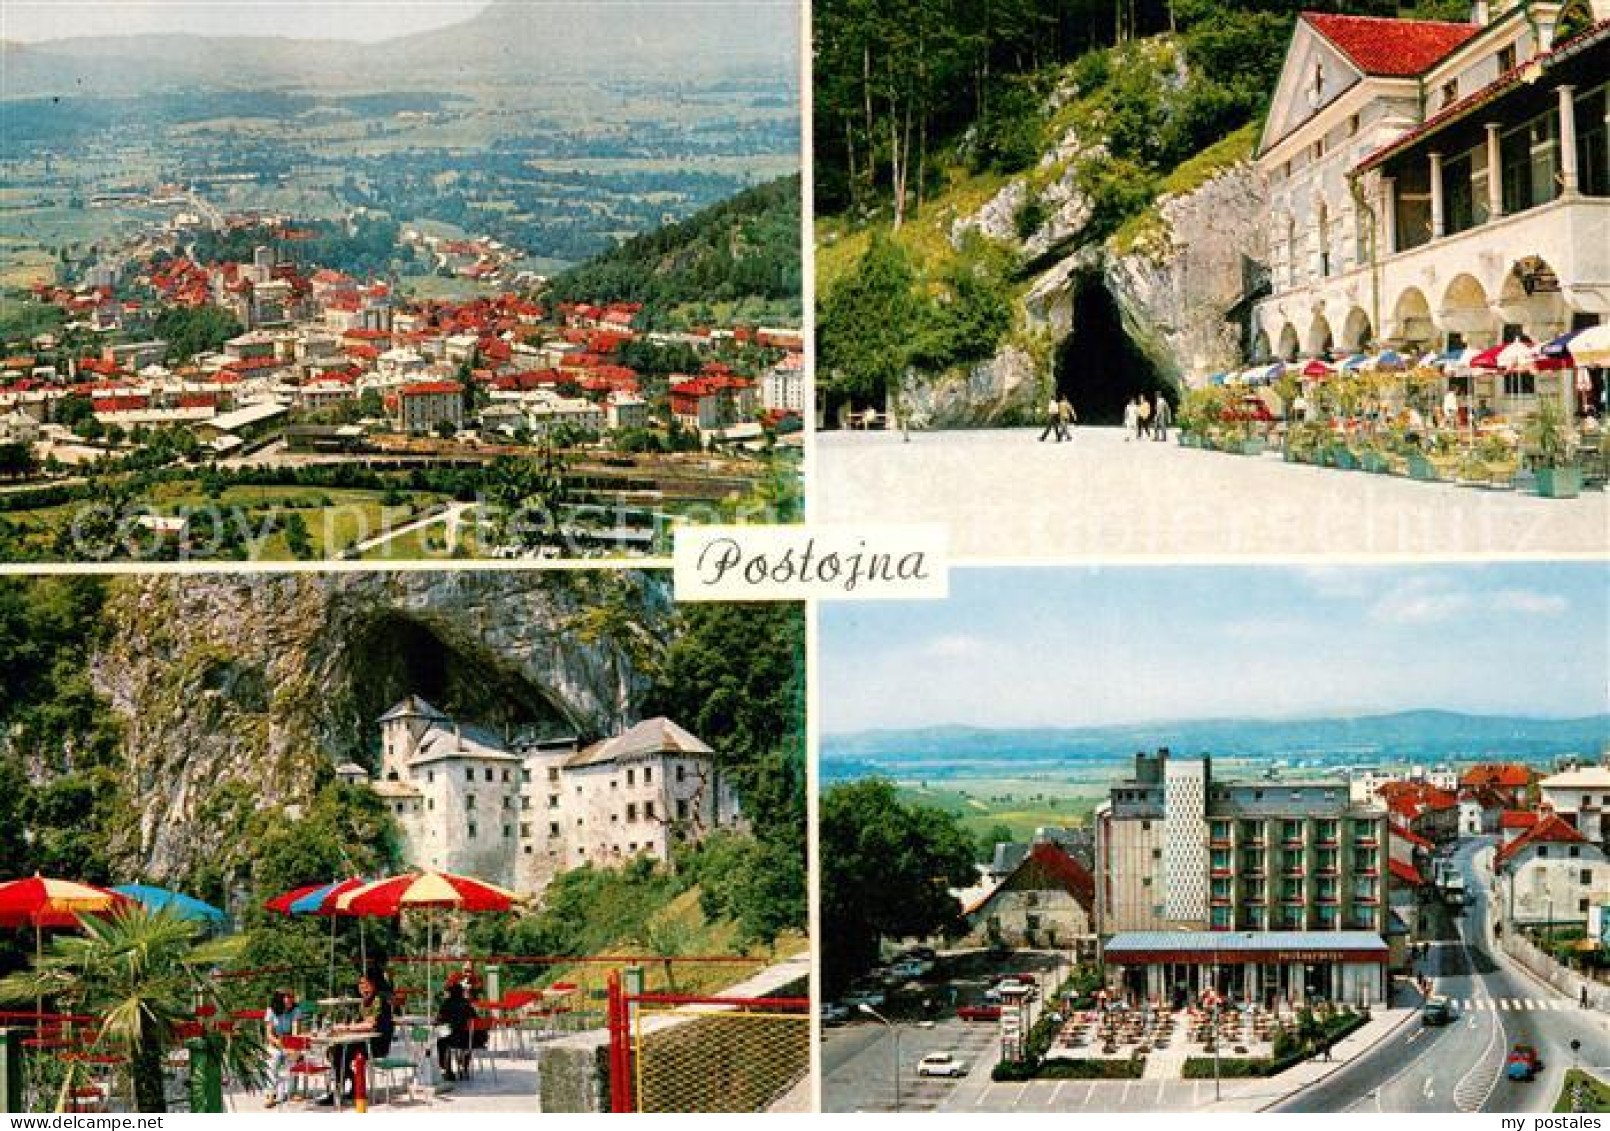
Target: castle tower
[(401, 730)]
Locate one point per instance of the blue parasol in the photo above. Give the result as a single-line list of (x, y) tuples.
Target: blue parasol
[(185, 906)]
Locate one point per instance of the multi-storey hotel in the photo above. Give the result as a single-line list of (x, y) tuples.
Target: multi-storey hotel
[(1439, 185), (1283, 870)]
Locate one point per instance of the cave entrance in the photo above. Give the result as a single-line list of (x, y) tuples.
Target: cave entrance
[(393, 654), (1099, 367)]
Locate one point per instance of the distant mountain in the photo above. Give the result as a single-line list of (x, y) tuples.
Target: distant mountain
[(1410, 735), (660, 42)]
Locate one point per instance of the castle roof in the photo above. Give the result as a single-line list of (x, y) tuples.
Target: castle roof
[(414, 707), (648, 739), (1390, 47), (446, 740)]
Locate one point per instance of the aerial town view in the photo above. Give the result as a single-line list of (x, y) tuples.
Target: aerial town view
[(271, 299), (383, 849), (1317, 840), (1346, 269)]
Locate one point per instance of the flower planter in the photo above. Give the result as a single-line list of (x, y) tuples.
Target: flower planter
[(1344, 459), (1423, 469), (1559, 482), (1252, 447), (1374, 462)]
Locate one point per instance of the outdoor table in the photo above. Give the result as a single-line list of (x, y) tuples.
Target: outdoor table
[(327, 1044)]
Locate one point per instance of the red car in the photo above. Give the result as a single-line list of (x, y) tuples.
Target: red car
[(1523, 1063), (979, 1013)]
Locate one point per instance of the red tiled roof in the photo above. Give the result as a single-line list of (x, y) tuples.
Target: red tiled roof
[(1551, 828), (1393, 48), (1071, 875), (429, 387), (1517, 819), (1411, 836), (1525, 71), (1506, 775)]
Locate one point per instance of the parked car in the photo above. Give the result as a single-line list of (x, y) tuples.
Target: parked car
[(835, 1014), (1008, 991), (979, 1013), (941, 1064), (1437, 1011), (907, 970), (923, 953), (1523, 1063)]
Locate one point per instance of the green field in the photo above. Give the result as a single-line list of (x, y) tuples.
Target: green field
[(1021, 804)]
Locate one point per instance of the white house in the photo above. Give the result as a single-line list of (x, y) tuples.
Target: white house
[(1551, 875), (1581, 796)]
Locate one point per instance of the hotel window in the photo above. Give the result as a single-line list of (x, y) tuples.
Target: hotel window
[(1327, 916), (1221, 888), (1221, 830), (1221, 859), (1221, 918), (1291, 831), (1327, 832)]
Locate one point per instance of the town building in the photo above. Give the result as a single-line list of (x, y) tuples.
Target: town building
[(1173, 968), (1550, 875), (426, 405), (1582, 797), (520, 808), (1177, 849), (1047, 900), (782, 387), (1439, 185), (1422, 808), (626, 410)]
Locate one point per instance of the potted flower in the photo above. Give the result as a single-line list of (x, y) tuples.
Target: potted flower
[(1553, 458)]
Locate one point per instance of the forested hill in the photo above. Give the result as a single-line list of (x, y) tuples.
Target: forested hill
[(738, 261)]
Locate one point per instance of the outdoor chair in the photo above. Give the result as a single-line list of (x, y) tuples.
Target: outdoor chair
[(481, 1050), (304, 1066), (409, 1066)]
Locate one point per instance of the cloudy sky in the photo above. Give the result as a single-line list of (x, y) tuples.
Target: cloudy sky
[(1074, 647), (366, 20)]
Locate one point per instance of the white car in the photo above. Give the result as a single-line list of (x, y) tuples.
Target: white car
[(906, 971), (941, 1064), (857, 998)]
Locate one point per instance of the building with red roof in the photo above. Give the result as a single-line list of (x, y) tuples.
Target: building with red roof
[(1048, 900), (1412, 203), (1551, 875), (425, 406)]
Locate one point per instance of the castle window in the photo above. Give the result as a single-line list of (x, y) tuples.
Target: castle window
[(681, 772), (525, 774), (632, 847), (614, 784), (505, 777), (528, 850), (681, 810), (469, 773), (631, 777), (472, 832), (508, 831), (553, 801), (489, 773), (648, 778), (508, 802), (430, 803), (525, 802), (631, 811), (553, 773), (553, 828), (469, 802), (648, 810), (430, 776)]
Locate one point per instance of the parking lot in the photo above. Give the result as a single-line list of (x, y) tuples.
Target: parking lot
[(859, 1056)]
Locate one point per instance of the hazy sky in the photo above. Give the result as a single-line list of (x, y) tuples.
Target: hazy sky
[(1073, 647), (368, 20)]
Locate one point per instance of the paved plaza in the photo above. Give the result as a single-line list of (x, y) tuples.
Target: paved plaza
[(1005, 495)]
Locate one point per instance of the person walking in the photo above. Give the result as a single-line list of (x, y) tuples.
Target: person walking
[(1131, 421), (1162, 417), (1144, 411), (1053, 420), (1066, 418)]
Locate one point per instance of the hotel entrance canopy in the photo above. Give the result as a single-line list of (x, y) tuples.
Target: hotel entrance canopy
[(1142, 948)]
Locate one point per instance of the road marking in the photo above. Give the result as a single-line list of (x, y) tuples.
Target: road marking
[(1124, 1099), (1158, 1102), (1055, 1092), (1427, 1091), (1089, 1092)]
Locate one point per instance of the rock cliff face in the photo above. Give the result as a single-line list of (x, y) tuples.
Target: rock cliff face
[(1175, 276), (246, 689)]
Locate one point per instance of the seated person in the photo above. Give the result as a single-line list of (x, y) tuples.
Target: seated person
[(456, 1013), (374, 1016)]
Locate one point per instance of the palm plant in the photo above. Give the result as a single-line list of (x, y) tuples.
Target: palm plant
[(143, 973)]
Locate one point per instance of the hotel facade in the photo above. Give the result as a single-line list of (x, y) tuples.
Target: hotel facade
[(1438, 186), (1281, 871)]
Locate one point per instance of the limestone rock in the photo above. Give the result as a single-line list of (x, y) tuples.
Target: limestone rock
[(997, 218), (1006, 389)]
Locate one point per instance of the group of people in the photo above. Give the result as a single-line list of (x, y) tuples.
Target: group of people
[(376, 1016), (1144, 418), (1148, 419)]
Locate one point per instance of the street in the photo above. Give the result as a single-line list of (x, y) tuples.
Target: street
[(1004, 494), (1459, 1067)]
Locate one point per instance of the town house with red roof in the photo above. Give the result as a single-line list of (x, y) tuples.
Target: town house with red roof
[(1439, 185), (1048, 900), (1550, 875)]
